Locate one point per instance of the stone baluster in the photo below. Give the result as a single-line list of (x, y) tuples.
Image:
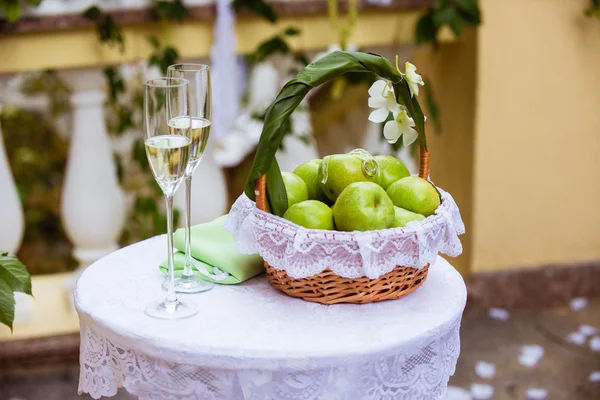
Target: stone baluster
[(93, 204), (12, 223)]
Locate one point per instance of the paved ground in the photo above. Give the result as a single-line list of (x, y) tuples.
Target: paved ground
[(563, 370)]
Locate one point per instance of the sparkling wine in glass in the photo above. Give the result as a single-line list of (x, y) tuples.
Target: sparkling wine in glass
[(200, 112), (168, 142)]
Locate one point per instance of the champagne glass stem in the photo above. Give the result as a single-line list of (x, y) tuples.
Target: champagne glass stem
[(187, 269), (171, 300)]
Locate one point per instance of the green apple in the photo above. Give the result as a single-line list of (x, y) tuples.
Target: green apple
[(295, 188), (309, 172), (414, 194), (390, 170), (311, 214), (403, 217), (341, 170), (363, 206)]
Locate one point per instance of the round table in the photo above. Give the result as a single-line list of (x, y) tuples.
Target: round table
[(252, 342)]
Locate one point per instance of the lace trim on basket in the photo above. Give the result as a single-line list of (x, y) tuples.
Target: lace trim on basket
[(304, 252)]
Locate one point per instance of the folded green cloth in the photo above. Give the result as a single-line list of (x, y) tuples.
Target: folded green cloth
[(214, 257)]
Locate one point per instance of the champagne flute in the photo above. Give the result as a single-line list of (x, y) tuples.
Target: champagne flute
[(200, 112), (168, 141)]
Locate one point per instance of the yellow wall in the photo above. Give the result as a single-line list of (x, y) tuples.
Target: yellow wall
[(536, 197), (80, 48), (451, 71)]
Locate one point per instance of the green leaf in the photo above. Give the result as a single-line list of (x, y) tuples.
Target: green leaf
[(34, 3), (403, 97), (154, 41), (469, 11), (116, 84), (13, 11), (448, 16), (120, 168), (269, 47), (14, 274), (155, 60), (258, 7), (315, 74), (7, 305), (292, 31), (92, 13), (277, 196), (171, 10), (170, 56), (425, 30), (13, 278), (139, 154)]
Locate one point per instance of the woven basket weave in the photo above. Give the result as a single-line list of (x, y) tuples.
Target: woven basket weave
[(330, 288)]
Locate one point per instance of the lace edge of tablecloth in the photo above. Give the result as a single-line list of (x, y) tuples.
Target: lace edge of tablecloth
[(423, 375)]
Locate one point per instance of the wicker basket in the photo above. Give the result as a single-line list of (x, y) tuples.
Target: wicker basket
[(330, 288)]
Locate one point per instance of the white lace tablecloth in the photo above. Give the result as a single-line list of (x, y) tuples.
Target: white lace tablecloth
[(252, 342)]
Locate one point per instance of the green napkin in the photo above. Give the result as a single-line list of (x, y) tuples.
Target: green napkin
[(214, 257)]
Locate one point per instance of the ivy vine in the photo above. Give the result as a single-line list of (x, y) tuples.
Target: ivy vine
[(594, 9), (454, 14), (125, 95), (12, 9)]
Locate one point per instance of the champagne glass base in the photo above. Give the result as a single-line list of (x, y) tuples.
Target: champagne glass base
[(190, 284), (177, 310)]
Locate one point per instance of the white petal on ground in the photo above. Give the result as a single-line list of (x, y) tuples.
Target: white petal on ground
[(578, 303), (537, 394), (588, 330), (576, 338), (595, 343), (499, 314), (595, 376), (482, 391), (456, 393), (485, 370), (531, 355)]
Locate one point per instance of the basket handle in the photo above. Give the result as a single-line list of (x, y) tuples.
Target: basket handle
[(260, 189)]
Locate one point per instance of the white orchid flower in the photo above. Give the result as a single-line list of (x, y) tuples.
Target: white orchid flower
[(383, 99), (412, 78), (401, 125)]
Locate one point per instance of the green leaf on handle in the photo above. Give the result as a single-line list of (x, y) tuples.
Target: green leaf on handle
[(403, 96), (277, 195), (315, 74)]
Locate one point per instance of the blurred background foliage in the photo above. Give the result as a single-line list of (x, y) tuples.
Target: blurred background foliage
[(37, 153), (37, 144)]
